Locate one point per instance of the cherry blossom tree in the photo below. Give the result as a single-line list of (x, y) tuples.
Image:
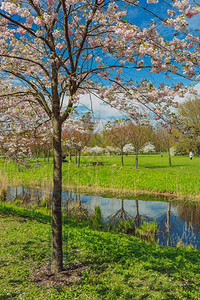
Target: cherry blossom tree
[(96, 150), (20, 134), (110, 150), (78, 134), (52, 51), (42, 140), (67, 136), (148, 148), (128, 148)]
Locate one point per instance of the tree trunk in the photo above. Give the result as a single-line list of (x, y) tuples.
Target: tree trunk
[(57, 253), (37, 155), (44, 155), (136, 160), (170, 161), (122, 157), (48, 156), (76, 157), (70, 155), (79, 157)]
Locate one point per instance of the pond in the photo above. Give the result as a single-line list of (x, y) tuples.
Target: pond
[(176, 221)]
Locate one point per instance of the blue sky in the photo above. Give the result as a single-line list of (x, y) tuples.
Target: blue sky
[(142, 19)]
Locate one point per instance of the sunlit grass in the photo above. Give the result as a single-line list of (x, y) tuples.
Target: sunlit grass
[(153, 174), (118, 266)]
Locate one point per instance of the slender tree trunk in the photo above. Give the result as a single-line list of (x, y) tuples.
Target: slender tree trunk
[(170, 161), (48, 155), (76, 157), (37, 155), (44, 155), (79, 157), (122, 157), (57, 253), (136, 160), (70, 155)]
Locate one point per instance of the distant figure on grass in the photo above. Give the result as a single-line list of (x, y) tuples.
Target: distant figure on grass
[(191, 155), (63, 159)]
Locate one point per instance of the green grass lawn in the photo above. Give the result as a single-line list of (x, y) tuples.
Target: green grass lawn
[(117, 266), (153, 174)]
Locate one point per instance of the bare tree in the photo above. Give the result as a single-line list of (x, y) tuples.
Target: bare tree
[(117, 134), (166, 140), (139, 135)]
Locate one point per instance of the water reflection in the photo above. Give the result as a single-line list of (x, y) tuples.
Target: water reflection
[(192, 213), (120, 214), (176, 222)]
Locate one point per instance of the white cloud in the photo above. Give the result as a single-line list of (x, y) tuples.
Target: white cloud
[(99, 108), (102, 111), (180, 99)]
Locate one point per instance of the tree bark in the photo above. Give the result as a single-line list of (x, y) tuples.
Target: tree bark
[(76, 157), (136, 160), (44, 155), (170, 161), (79, 157), (70, 156), (37, 155), (48, 156), (122, 157), (57, 252)]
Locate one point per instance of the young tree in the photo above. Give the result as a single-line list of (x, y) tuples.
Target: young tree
[(139, 135), (52, 50), (42, 140), (19, 133), (117, 133), (166, 140), (79, 134)]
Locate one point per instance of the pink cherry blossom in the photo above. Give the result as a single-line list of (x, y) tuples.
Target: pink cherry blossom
[(36, 2)]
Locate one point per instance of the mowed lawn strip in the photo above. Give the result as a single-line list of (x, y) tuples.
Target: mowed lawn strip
[(118, 266), (153, 174)]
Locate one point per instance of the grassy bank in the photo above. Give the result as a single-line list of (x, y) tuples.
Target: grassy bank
[(114, 266), (153, 174)]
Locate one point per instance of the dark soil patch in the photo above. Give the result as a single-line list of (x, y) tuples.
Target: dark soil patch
[(71, 276)]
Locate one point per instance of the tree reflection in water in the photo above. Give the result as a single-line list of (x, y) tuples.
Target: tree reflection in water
[(175, 222), (179, 229), (75, 206), (190, 214), (121, 214)]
